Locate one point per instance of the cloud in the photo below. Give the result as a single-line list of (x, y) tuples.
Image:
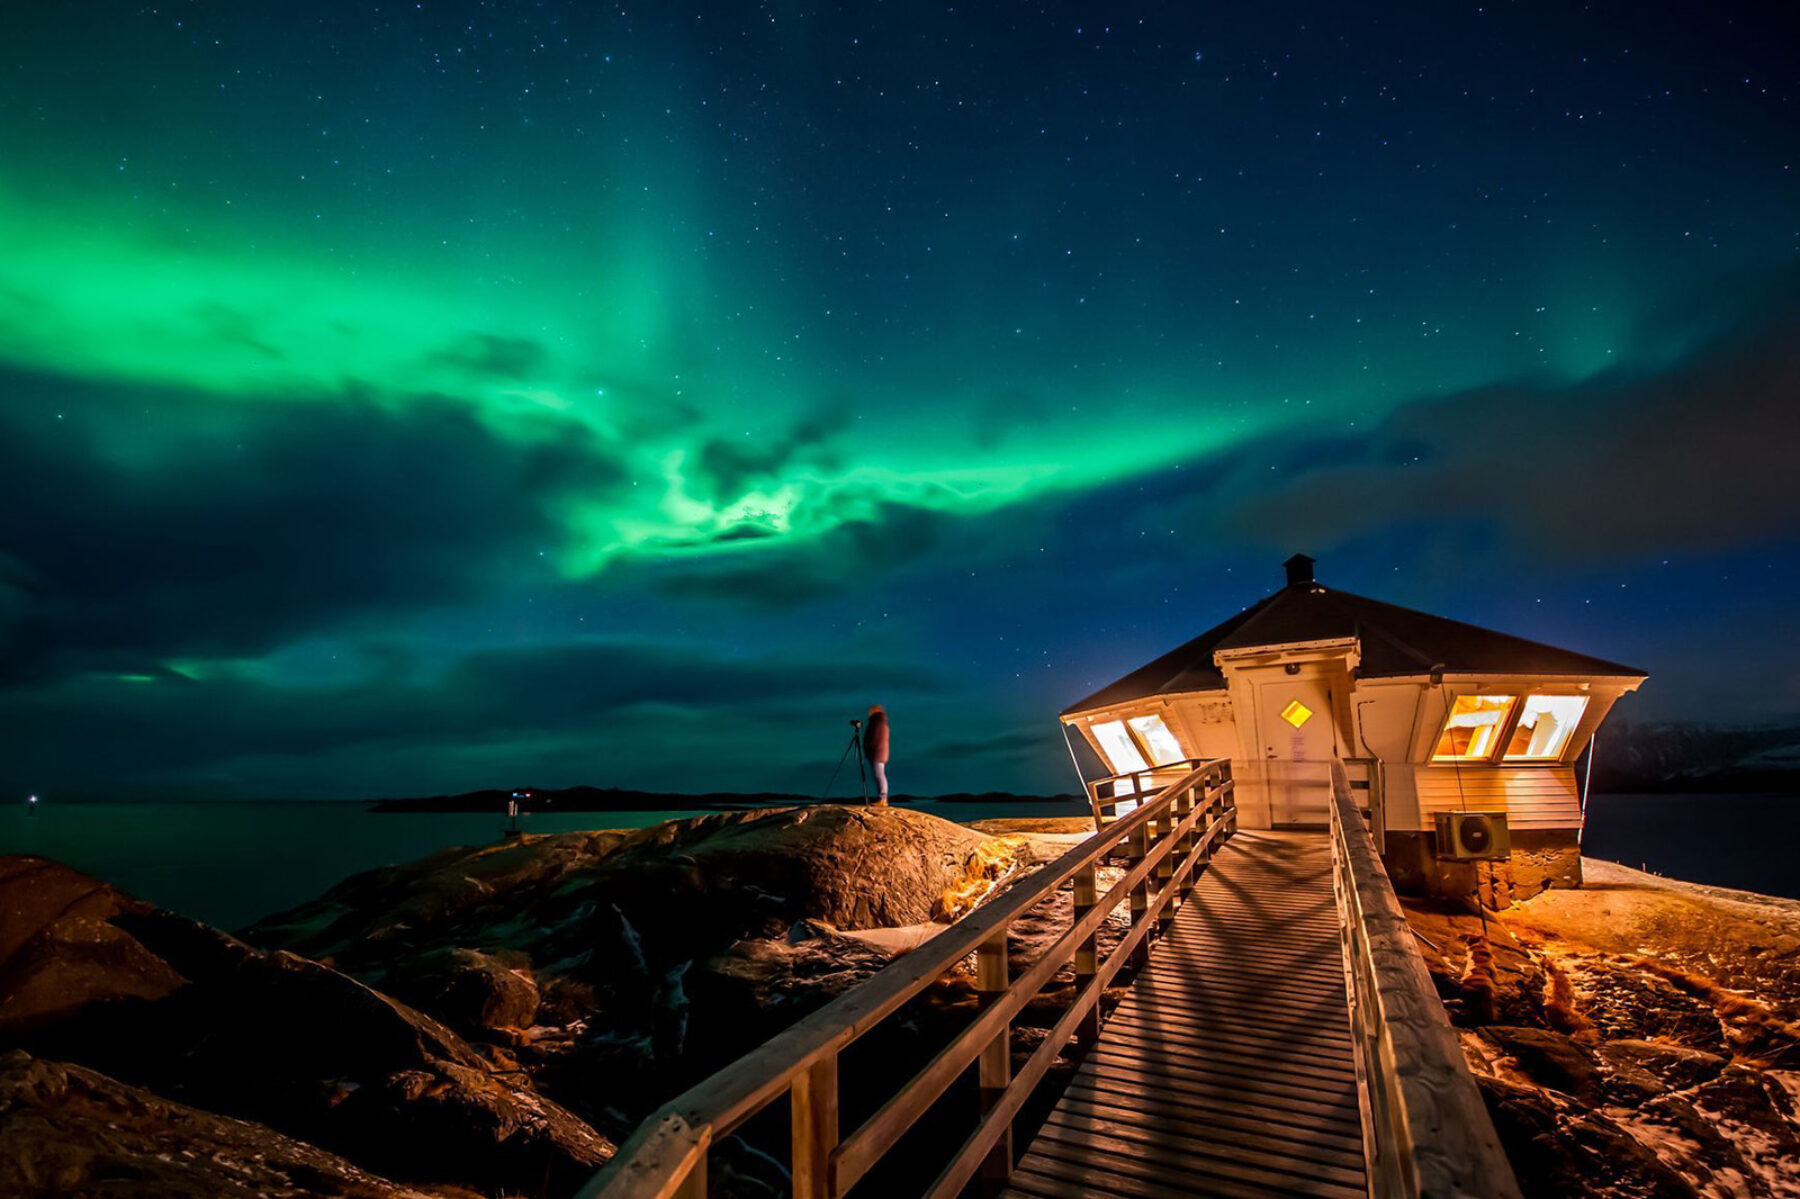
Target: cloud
[(854, 553), (724, 468), (492, 355), (597, 698), (1695, 456), (148, 523)]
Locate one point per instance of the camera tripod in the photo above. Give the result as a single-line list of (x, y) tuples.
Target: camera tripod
[(855, 747)]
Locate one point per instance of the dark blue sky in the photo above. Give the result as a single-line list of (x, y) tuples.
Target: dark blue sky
[(426, 397)]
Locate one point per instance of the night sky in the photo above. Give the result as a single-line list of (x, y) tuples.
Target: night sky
[(412, 398)]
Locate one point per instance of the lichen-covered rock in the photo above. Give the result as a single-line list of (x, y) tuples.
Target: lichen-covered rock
[(65, 1130)]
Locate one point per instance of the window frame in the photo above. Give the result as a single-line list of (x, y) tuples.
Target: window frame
[(1131, 735), (1143, 742), (1143, 747), (1518, 717), (1504, 735)]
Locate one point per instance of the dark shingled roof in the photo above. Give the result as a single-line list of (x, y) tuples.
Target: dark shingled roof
[(1395, 641)]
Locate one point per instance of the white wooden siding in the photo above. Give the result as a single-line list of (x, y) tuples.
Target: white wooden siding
[(1531, 796)]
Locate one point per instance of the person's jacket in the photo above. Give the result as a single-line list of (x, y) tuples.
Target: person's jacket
[(875, 738)]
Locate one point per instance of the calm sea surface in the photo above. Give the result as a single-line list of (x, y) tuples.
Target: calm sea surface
[(1742, 841), (230, 863)]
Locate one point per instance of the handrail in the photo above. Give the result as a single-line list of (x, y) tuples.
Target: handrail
[(1426, 1131), (1104, 794), (1168, 839)]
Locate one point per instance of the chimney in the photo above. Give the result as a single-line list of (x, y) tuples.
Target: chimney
[(1299, 570)]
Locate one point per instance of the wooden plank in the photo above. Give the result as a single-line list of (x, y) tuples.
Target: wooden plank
[(1195, 1153), (1070, 1180), (1202, 1037), (1323, 1067), (1166, 1012), (1121, 1157), (1218, 1092), (1135, 1124), (1250, 991), (1271, 1083), (1323, 1133), (1286, 1119), (1185, 1010)]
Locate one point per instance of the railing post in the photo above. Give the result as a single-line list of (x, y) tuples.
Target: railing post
[(994, 1067), (1184, 845), (1086, 960), (1140, 894), (814, 1107), (1164, 830)]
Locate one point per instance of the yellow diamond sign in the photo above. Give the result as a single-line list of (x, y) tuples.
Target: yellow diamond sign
[(1296, 713)]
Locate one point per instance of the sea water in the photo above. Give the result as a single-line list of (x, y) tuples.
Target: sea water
[(1742, 841), (232, 863), (229, 864)]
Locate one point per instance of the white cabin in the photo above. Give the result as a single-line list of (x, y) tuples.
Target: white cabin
[(1432, 715)]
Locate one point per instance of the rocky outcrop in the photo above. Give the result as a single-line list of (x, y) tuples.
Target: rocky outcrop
[(1634, 1038), (653, 956), (195, 1015), (65, 1130)]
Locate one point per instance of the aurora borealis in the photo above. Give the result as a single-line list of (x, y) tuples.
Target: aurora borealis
[(404, 398)]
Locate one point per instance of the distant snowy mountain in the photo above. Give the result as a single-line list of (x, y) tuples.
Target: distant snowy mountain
[(1677, 756)]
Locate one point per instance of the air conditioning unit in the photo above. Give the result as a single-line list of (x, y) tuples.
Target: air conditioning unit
[(1473, 836)]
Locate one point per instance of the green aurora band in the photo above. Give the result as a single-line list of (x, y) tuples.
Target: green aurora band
[(115, 296)]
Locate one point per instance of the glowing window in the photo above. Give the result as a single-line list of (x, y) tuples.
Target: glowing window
[(1472, 730), (1545, 726), (1296, 713), (1164, 749), (1120, 750)]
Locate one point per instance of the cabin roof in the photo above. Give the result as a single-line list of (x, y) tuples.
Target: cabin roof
[(1395, 642)]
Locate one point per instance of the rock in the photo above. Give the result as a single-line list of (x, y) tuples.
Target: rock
[(1756, 1100), (279, 1039), (70, 1131), (422, 902), (475, 993), (1560, 1148), (1673, 1066), (1627, 1003), (1698, 1148), (1551, 1060), (58, 950), (658, 955)]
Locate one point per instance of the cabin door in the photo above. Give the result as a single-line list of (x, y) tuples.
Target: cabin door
[(1294, 726)]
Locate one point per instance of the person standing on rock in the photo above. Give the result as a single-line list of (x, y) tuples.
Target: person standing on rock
[(875, 749)]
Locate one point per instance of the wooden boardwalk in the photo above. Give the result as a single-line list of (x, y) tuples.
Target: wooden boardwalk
[(1228, 1069)]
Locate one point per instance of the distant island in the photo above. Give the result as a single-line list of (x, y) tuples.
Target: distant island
[(619, 799)]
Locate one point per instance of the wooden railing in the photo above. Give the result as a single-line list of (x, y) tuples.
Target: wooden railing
[(1166, 843), (1107, 795), (1425, 1129)]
